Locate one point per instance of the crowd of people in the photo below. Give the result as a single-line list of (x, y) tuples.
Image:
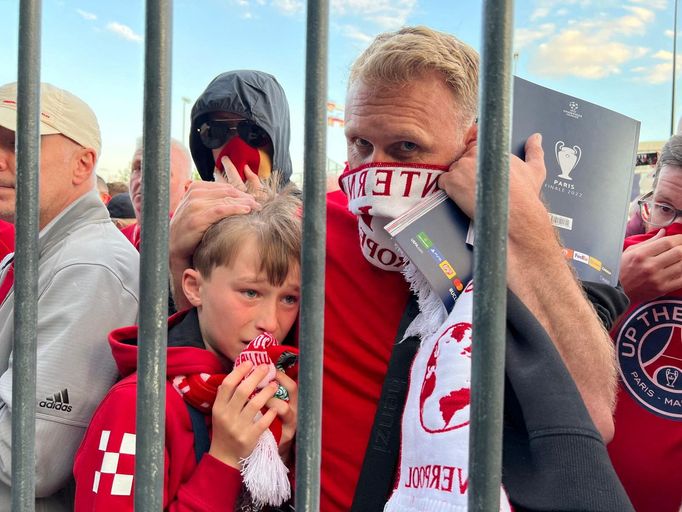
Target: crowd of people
[(592, 387)]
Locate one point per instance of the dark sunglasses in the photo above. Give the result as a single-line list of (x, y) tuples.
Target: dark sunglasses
[(216, 132)]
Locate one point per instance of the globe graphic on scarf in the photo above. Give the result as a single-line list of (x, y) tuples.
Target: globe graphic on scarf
[(445, 394)]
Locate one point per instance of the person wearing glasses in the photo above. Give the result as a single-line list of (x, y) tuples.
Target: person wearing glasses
[(240, 126), (646, 450), (239, 134)]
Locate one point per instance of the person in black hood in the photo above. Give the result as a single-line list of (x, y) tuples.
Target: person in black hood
[(241, 119)]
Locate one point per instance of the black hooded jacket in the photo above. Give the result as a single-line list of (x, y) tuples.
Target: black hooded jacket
[(255, 95)]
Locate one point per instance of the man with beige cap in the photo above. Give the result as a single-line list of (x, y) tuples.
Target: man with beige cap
[(87, 285)]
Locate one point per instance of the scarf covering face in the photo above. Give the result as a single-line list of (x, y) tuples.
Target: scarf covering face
[(434, 448), (378, 193), (241, 155)]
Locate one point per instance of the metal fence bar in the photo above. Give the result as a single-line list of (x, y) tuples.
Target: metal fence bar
[(151, 397), (26, 258), (490, 256), (311, 339)]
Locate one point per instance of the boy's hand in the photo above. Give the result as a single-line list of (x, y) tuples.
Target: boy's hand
[(204, 204), (287, 412), (235, 430)]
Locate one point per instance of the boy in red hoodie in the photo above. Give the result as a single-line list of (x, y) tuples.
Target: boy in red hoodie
[(244, 282)]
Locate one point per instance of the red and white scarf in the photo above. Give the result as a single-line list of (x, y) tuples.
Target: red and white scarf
[(263, 471), (434, 450), (378, 193)]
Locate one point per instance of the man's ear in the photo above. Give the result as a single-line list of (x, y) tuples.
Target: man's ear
[(191, 286), (84, 165), (471, 135)]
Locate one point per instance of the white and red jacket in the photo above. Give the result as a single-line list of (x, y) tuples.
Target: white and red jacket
[(105, 462)]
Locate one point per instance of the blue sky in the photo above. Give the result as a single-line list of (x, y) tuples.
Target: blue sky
[(616, 53)]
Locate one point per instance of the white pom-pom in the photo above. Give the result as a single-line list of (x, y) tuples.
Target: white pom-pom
[(264, 473)]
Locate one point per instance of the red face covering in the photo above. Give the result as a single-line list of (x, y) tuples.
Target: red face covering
[(674, 229), (241, 154)]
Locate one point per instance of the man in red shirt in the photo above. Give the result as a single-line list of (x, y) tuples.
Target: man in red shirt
[(411, 112), (647, 447)]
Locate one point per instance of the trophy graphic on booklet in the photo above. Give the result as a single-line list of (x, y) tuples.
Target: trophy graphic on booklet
[(567, 158)]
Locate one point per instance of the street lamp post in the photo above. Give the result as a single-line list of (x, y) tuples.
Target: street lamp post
[(672, 109), (185, 101)]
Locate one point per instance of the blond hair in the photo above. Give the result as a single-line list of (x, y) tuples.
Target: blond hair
[(276, 229), (396, 58)]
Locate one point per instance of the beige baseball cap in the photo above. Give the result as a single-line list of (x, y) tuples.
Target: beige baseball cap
[(60, 112)]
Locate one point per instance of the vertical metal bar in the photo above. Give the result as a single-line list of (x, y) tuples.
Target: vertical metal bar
[(308, 438), (490, 256), (672, 108), (151, 397), (26, 259)]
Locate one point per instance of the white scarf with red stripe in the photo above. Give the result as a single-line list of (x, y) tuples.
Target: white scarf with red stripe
[(378, 193), (434, 451)]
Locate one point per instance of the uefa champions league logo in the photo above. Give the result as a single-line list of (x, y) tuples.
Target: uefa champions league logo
[(567, 158)]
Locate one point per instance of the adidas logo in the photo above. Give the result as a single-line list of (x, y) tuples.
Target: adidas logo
[(58, 401)]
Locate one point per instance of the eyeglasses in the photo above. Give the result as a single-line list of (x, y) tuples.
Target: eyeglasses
[(216, 132), (658, 215)]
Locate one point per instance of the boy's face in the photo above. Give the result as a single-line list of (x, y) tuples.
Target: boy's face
[(237, 303)]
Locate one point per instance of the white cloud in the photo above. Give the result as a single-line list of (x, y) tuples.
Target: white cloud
[(654, 4), (540, 12), (387, 14), (663, 55), (524, 36), (354, 33), (545, 8), (288, 6), (124, 31), (577, 53), (593, 47), (86, 15), (635, 23), (656, 74)]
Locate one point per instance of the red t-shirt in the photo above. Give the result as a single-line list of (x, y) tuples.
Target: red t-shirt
[(363, 309), (646, 450), (6, 238), (132, 233)]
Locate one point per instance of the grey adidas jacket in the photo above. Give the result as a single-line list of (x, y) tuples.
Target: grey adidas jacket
[(88, 284)]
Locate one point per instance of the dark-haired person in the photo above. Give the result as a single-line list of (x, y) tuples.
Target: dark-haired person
[(240, 130), (647, 446)]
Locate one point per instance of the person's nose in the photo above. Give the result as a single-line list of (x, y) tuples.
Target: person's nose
[(379, 155), (267, 317), (5, 157)]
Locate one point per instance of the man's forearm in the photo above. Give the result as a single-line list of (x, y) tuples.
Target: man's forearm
[(539, 275)]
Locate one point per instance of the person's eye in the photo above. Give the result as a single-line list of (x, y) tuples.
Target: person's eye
[(664, 208), (290, 300), (362, 143), (407, 146), (249, 294)]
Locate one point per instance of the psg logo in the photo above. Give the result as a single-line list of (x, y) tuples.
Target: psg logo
[(649, 347)]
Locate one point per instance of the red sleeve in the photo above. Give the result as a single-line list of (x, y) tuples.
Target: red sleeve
[(6, 238), (214, 486), (105, 464)]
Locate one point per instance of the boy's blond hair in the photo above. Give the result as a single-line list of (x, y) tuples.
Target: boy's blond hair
[(276, 228)]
